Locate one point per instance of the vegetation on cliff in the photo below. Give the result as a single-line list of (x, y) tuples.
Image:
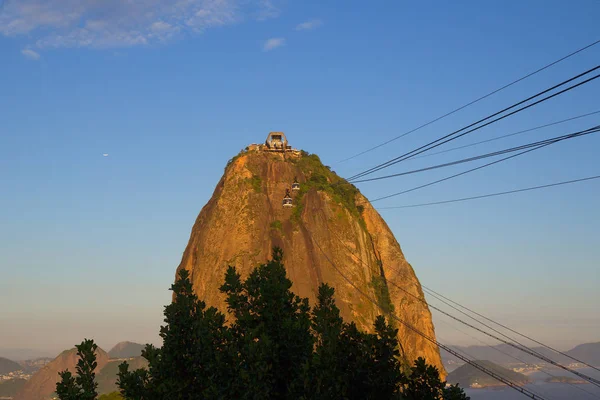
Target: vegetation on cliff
[(274, 346), (322, 178)]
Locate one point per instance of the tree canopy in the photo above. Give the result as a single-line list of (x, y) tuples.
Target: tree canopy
[(270, 345)]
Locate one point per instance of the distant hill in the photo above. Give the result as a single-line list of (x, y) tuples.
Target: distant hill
[(505, 354), (469, 376), (7, 366), (10, 387), (588, 352), (107, 376), (43, 383), (126, 350), (24, 354), (32, 366)]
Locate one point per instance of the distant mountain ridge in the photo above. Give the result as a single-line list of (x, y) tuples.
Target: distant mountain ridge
[(469, 376), (43, 383), (126, 350), (588, 353), (25, 354), (7, 366)]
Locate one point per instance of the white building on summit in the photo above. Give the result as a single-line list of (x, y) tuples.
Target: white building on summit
[(276, 142)]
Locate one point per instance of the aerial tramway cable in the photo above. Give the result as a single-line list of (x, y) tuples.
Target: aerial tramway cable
[(472, 102), (493, 195), (521, 347), (482, 156), (512, 330), (487, 371), (463, 173), (535, 128), (454, 135)]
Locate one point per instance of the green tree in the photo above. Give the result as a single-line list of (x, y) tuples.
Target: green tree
[(270, 334), (347, 363), (111, 396), (272, 347), (423, 383), (454, 392), (83, 386), (192, 360)]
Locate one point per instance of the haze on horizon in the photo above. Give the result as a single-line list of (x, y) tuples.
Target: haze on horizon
[(89, 243)]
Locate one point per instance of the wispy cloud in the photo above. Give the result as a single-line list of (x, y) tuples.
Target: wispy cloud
[(309, 25), (118, 23), (273, 43), (268, 9), (32, 55)]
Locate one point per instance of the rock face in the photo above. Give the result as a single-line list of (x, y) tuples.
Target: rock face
[(43, 383), (330, 230)]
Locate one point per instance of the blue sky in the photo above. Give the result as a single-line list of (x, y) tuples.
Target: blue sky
[(89, 244)]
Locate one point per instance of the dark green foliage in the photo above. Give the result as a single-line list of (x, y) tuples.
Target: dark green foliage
[(256, 183), (382, 294), (424, 382), (454, 392), (111, 396), (273, 347), (321, 178), (83, 386), (276, 225), (271, 333), (190, 364), (347, 363)]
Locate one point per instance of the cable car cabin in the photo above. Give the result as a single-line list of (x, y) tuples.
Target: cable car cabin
[(295, 185), (287, 200), (276, 141)]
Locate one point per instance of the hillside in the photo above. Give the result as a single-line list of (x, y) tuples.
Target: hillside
[(331, 230), (10, 388), (469, 376), (107, 376), (32, 366), (7, 366), (588, 352), (126, 350), (43, 383)]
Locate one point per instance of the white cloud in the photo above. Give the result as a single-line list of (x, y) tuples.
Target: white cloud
[(267, 10), (273, 43), (119, 23), (32, 55), (309, 25)]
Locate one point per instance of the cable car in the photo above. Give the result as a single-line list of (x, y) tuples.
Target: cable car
[(295, 185), (287, 200)]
